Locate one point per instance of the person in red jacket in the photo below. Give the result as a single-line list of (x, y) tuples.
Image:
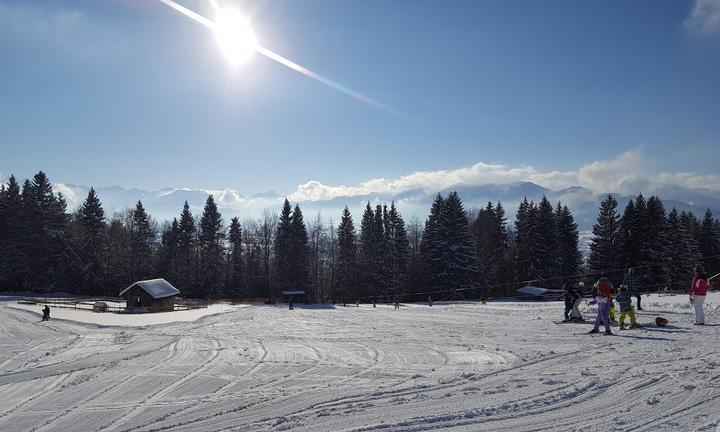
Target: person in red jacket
[(698, 291)]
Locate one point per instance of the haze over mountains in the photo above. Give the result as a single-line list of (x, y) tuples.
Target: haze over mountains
[(167, 203)]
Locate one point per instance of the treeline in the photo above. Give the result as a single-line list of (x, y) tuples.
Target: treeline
[(663, 246), (453, 253)]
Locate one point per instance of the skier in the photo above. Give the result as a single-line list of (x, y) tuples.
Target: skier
[(626, 309), (631, 281), (698, 291), (291, 304), (604, 292), (46, 313), (569, 297), (429, 301), (397, 302), (578, 292)]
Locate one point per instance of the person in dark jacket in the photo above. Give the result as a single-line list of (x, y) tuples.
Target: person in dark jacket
[(626, 308), (632, 282), (46, 313)]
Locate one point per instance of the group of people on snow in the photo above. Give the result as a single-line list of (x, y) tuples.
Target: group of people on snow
[(602, 296)]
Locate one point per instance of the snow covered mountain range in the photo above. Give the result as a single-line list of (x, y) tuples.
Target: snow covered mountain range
[(165, 204)]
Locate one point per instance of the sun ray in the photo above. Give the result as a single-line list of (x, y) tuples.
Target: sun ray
[(282, 60)]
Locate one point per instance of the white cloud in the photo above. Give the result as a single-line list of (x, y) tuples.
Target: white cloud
[(626, 174), (704, 17), (70, 31), (710, 182)]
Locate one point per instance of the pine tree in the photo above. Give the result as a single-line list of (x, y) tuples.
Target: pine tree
[(368, 245), (12, 252), (92, 236), (545, 242), (283, 249), (210, 247), (604, 247), (142, 237), (49, 259), (187, 253), (168, 256), (448, 246), (397, 247), (710, 243), (299, 252), (568, 257), (347, 270), (683, 252), (236, 276), (381, 268), (654, 247)]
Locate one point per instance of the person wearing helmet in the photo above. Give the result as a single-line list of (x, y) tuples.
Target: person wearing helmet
[(698, 291), (578, 297), (626, 308)]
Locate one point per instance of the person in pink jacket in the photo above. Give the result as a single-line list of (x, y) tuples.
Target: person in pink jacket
[(698, 291)]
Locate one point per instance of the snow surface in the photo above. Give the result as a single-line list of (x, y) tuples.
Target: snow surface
[(126, 319), (459, 367), (157, 288)]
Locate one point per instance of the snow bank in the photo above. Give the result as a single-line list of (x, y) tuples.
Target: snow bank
[(127, 320)]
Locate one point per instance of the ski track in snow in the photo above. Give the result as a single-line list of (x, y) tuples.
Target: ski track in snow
[(454, 366)]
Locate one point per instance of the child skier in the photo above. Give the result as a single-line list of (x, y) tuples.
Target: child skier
[(624, 297), (604, 292)]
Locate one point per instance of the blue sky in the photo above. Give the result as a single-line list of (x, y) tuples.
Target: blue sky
[(130, 92)]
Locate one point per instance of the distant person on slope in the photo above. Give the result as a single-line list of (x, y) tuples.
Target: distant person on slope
[(626, 309), (46, 313), (569, 297), (430, 301), (604, 292), (632, 282), (578, 293), (698, 291)]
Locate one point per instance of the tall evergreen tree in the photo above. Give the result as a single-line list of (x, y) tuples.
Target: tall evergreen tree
[(710, 243), (397, 247), (92, 236), (13, 256), (142, 237), (283, 249), (604, 246), (568, 258), (187, 266), (545, 242), (210, 246), (49, 259), (346, 273), (369, 285), (299, 252), (448, 246), (168, 257), (236, 274), (683, 252)]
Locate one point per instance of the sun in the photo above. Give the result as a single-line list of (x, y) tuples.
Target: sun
[(234, 35)]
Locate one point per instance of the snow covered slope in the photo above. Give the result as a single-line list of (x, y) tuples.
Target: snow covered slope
[(459, 367)]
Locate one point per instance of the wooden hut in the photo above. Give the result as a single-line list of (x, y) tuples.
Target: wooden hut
[(715, 282), (154, 295)]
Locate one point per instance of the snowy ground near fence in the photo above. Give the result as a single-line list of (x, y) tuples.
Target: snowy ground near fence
[(126, 320), (453, 366)]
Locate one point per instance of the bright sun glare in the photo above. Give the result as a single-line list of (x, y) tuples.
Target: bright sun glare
[(234, 35)]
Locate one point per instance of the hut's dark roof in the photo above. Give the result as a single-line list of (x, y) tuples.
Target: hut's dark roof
[(157, 288)]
